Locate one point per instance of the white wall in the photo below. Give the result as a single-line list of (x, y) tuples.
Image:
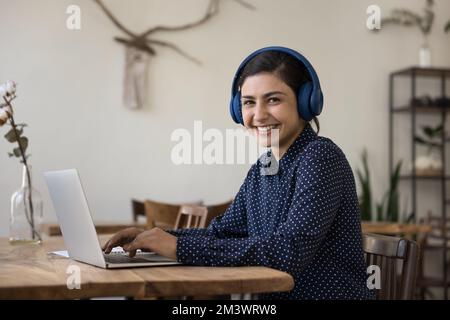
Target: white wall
[(70, 90)]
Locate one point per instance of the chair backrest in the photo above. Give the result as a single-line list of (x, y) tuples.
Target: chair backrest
[(194, 217), (163, 215), (392, 254), (138, 209), (217, 210)]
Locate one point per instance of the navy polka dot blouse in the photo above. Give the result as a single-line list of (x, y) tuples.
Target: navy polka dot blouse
[(303, 220)]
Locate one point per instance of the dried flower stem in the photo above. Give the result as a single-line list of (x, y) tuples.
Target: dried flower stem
[(29, 216)]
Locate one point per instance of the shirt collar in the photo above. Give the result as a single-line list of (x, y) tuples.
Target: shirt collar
[(298, 146), (295, 149)]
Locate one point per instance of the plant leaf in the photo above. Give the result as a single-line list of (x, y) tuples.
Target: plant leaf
[(420, 140), (11, 135), (432, 132), (428, 131), (24, 143), (365, 200), (410, 218), (16, 152), (438, 130), (380, 212), (392, 207)]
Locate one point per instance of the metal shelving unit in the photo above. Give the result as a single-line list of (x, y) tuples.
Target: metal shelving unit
[(413, 74)]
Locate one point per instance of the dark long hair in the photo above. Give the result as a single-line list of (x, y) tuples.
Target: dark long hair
[(289, 69)]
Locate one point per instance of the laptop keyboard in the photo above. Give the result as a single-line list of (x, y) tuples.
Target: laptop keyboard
[(140, 258)]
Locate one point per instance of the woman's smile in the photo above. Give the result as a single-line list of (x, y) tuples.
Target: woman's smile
[(265, 130)]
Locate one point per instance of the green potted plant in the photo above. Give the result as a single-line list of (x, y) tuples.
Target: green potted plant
[(389, 207)]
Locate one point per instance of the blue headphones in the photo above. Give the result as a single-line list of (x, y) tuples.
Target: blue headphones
[(309, 96)]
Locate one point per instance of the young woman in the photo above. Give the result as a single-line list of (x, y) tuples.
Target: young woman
[(304, 217)]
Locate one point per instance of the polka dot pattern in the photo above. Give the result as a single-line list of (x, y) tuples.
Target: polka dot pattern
[(304, 220)]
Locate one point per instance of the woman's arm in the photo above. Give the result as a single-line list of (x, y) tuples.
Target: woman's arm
[(295, 242)]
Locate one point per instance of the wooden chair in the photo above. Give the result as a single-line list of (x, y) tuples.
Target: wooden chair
[(391, 254), (191, 216), (163, 215), (436, 242), (217, 210), (138, 209), (194, 217)]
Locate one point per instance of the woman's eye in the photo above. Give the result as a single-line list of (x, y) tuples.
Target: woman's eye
[(247, 102), (274, 100)]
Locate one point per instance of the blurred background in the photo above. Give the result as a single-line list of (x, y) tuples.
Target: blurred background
[(71, 82)]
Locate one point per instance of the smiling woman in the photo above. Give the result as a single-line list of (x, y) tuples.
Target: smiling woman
[(302, 218), (265, 110)]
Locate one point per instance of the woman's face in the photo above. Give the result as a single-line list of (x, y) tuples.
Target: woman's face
[(268, 103)]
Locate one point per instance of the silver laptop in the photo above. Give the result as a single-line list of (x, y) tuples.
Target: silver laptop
[(80, 237)]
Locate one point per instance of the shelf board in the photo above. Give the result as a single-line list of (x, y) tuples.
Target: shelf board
[(417, 109), (423, 72)]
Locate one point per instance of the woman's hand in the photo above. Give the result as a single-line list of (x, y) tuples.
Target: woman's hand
[(156, 240), (121, 238)]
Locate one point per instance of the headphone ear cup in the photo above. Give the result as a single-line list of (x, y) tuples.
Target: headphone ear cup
[(235, 108), (316, 102), (304, 101)]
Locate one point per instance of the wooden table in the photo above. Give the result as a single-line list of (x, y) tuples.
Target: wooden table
[(29, 272), (389, 228)]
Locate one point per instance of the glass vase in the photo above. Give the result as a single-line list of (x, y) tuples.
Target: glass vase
[(425, 56), (26, 212)]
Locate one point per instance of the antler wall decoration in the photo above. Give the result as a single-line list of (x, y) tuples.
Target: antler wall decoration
[(139, 47)]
